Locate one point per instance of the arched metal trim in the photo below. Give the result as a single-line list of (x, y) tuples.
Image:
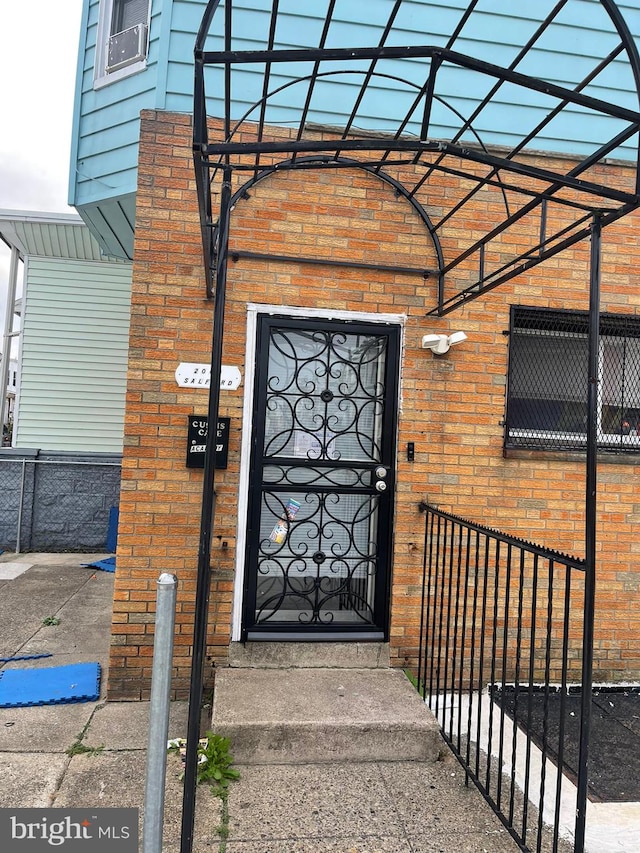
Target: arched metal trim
[(339, 162)]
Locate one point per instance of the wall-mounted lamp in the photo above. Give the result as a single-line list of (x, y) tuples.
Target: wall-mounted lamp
[(439, 344)]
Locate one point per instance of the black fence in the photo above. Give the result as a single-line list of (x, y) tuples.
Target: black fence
[(501, 667)]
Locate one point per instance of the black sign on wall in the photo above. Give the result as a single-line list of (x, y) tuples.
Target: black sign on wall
[(197, 428)]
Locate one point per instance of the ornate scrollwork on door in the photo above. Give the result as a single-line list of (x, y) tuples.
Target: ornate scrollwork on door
[(325, 396), (323, 568), (321, 407)]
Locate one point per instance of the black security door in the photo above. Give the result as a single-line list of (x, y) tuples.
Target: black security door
[(322, 480)]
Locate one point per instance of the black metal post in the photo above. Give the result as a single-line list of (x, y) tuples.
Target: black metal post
[(206, 529), (590, 533)]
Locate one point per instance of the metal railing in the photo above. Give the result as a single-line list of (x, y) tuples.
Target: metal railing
[(500, 664), (56, 504)]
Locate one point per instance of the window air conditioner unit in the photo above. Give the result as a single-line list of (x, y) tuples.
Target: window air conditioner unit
[(126, 47)]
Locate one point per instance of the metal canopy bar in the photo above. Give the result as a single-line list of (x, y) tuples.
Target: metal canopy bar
[(368, 143), (512, 66), (372, 66), (250, 57), (631, 204), (326, 162), (237, 254), (534, 254), (316, 69), (568, 181), (267, 74), (207, 514), (533, 134), (468, 122), (228, 17), (591, 522), (315, 162), (567, 191), (497, 182), (484, 286), (427, 91), (465, 153)]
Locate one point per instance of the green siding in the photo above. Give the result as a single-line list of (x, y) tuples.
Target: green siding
[(111, 222), (73, 357)]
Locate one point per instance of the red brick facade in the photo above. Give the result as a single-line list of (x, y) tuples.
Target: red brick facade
[(451, 408)]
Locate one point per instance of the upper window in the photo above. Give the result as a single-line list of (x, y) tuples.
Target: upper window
[(128, 13), (122, 43), (548, 381)]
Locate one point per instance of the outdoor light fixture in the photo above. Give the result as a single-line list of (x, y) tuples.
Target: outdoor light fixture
[(439, 344)]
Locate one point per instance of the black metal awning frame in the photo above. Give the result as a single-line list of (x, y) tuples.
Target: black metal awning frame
[(558, 205), (527, 190)]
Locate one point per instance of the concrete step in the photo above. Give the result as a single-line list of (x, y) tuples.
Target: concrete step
[(315, 715), (326, 655)]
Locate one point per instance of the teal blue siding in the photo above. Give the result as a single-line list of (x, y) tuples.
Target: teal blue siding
[(107, 119), (106, 122)]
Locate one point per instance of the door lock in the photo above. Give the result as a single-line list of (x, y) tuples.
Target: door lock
[(381, 486), (381, 472)]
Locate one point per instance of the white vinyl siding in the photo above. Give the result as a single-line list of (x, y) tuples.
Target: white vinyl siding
[(73, 359)]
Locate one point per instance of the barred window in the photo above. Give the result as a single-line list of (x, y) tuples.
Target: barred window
[(548, 375)]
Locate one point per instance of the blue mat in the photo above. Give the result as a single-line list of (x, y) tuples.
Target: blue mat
[(106, 565), (54, 685), (27, 657)]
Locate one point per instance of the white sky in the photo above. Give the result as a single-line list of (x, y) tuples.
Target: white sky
[(38, 54)]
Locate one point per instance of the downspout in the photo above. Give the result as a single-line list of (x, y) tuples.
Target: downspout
[(7, 336)]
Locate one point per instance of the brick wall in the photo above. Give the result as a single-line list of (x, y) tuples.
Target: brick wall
[(451, 408)]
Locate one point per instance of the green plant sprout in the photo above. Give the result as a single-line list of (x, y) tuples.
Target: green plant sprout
[(214, 761), (79, 748)]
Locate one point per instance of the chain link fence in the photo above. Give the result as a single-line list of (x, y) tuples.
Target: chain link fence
[(51, 502)]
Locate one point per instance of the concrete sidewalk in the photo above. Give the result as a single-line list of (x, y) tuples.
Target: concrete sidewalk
[(93, 754)]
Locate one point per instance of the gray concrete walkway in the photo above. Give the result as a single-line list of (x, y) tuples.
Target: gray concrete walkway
[(366, 807)]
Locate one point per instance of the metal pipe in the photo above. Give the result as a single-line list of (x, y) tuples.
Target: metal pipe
[(159, 712), (20, 505), (8, 327), (239, 254), (590, 532), (206, 527)]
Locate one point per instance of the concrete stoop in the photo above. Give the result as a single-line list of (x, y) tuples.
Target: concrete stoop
[(308, 655), (303, 715)]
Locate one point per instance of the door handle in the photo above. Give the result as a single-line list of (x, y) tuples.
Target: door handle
[(381, 474)]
